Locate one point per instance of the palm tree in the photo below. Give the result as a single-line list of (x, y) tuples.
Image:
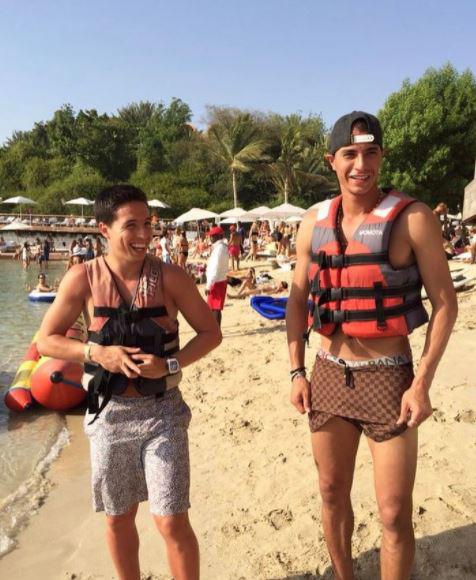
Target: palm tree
[(299, 162), (236, 140)]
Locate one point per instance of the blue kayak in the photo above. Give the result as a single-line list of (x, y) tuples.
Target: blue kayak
[(269, 307)]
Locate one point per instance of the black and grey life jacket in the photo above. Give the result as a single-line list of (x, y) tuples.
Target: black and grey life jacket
[(144, 324)]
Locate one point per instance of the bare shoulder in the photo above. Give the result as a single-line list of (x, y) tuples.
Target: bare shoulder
[(418, 221), (304, 235), (175, 279), (75, 281)]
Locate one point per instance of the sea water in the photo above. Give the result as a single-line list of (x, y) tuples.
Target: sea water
[(31, 440)]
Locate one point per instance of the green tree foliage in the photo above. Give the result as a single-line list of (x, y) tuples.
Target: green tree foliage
[(268, 158), (430, 135), (298, 168), (236, 140)]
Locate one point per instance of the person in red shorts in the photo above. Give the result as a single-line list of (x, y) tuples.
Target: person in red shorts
[(217, 269), (234, 248)]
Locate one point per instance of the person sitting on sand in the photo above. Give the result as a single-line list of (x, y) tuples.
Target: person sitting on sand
[(249, 283), (270, 289)]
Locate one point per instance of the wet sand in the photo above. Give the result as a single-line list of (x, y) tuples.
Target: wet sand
[(255, 506)]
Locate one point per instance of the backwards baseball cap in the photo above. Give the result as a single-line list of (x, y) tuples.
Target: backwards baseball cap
[(216, 231), (341, 134)]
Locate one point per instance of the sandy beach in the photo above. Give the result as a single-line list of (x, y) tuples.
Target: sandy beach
[(255, 506)]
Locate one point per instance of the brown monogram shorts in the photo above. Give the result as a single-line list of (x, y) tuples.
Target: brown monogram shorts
[(367, 396)]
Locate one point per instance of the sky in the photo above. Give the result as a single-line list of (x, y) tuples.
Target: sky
[(285, 56)]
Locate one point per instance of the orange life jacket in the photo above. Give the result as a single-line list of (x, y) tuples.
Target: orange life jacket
[(359, 289)]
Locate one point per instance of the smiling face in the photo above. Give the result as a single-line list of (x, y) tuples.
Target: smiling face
[(357, 166), (130, 233)]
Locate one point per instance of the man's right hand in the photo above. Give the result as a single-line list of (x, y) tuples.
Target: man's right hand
[(301, 394), (116, 359)]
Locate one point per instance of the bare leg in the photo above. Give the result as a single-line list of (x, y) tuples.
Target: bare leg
[(394, 472), (182, 546), (334, 448), (123, 543), (217, 316)]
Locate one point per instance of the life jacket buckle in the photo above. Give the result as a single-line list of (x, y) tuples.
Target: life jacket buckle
[(336, 294), (338, 316), (337, 261)]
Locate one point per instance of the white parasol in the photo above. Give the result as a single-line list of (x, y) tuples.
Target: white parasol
[(20, 200), (82, 201), (158, 203), (195, 214), (283, 211), (235, 212)]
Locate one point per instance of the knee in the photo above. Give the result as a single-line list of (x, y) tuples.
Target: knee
[(334, 491), (120, 523), (173, 528), (395, 515)]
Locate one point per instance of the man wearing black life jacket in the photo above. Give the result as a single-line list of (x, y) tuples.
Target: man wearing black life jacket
[(362, 258), (137, 420)]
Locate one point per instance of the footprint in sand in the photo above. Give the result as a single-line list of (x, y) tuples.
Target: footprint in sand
[(233, 530), (280, 518), (467, 416), (438, 416)]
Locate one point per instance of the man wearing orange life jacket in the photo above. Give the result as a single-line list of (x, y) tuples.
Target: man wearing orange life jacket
[(362, 258)]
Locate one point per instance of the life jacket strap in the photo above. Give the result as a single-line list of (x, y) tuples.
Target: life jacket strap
[(334, 294), (99, 384), (97, 338), (325, 261), (130, 315), (328, 316)]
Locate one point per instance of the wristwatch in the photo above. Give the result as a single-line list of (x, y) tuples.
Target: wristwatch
[(173, 366)]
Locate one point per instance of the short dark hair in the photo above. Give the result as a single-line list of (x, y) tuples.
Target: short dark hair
[(110, 199)]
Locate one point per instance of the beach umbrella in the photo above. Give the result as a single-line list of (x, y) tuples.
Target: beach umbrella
[(258, 211), (20, 200), (195, 214), (233, 220), (293, 219), (82, 201), (235, 212), (158, 203), (283, 211)]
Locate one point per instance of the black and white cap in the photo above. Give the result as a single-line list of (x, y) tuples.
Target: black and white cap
[(341, 134)]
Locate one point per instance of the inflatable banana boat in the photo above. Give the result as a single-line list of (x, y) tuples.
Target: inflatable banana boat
[(54, 384)]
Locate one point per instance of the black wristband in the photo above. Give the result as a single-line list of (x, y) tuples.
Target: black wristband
[(298, 369), (298, 373)]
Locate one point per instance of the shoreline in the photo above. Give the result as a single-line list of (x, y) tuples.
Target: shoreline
[(255, 505)]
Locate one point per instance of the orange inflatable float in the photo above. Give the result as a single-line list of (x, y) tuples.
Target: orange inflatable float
[(54, 384), (18, 396)]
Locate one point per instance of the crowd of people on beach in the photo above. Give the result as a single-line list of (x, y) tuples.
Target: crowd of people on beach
[(459, 240)]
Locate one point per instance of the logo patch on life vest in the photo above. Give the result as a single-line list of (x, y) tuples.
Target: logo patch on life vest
[(371, 233)]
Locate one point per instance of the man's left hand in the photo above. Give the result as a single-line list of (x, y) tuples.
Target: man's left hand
[(150, 366), (416, 406)]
